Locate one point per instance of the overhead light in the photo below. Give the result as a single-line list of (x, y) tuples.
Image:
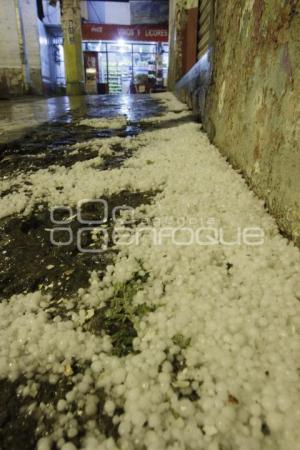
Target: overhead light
[(121, 45)]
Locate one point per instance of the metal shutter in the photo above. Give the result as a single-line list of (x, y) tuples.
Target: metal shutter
[(205, 26)]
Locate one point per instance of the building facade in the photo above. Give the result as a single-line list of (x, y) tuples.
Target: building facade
[(48, 46), (125, 46)]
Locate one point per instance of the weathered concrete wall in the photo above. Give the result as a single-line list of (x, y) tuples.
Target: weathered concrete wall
[(247, 91), (253, 107), (11, 77), (20, 63)]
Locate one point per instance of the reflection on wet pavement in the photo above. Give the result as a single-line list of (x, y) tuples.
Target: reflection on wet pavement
[(56, 129), (17, 116)]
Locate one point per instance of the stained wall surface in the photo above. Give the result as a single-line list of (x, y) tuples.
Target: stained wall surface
[(11, 79), (253, 107), (250, 102), (20, 62)]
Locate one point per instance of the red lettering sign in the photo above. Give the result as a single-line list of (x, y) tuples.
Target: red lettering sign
[(147, 33)]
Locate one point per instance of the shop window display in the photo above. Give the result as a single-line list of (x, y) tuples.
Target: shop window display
[(125, 67)]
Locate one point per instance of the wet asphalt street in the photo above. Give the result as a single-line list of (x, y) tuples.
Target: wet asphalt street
[(35, 134), (20, 116)]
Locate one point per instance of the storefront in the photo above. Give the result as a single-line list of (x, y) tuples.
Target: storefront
[(125, 59)]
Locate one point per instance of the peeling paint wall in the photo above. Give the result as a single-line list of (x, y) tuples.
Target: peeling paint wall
[(254, 99)]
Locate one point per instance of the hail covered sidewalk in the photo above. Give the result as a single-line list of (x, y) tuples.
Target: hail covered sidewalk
[(148, 299)]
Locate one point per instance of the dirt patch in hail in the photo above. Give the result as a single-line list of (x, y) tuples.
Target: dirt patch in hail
[(30, 261)]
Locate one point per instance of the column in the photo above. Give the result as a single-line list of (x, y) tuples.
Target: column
[(71, 24)]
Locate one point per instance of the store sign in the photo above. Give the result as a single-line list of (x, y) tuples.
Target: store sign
[(95, 32)]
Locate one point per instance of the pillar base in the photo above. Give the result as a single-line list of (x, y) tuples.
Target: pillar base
[(75, 88)]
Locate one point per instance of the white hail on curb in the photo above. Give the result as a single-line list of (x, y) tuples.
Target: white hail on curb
[(105, 122)]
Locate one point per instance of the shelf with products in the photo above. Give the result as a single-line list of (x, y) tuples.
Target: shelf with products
[(120, 63)]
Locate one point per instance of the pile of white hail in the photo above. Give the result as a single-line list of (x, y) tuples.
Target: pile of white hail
[(105, 122), (229, 313), (60, 185)]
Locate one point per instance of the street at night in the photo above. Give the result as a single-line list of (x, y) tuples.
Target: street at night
[(149, 225)]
